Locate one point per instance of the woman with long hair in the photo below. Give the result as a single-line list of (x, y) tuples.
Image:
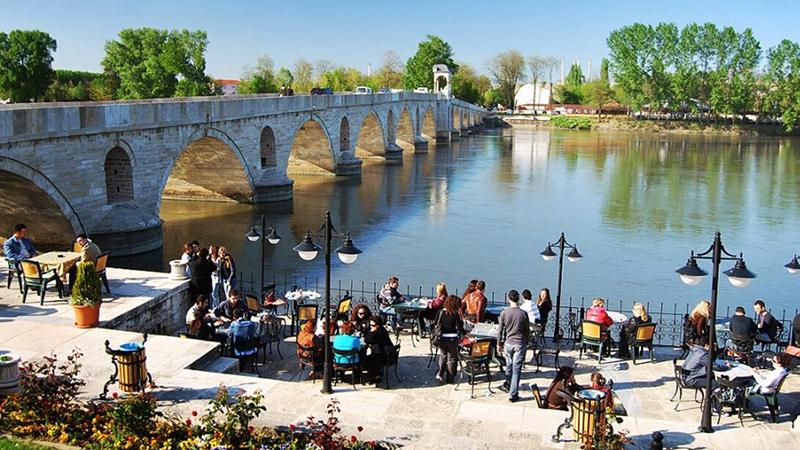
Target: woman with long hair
[(452, 329), (217, 287), (544, 304), (696, 331), (360, 318), (433, 307), (228, 270), (564, 381), (629, 327)]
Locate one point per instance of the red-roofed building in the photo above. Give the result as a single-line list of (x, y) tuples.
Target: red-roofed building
[(229, 87)]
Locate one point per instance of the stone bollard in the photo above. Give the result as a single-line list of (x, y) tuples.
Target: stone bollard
[(9, 373), (177, 270)]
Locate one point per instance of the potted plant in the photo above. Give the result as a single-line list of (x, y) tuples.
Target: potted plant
[(9, 371), (86, 296)]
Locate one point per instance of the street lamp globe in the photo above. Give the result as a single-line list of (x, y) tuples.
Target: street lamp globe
[(273, 237), (548, 254), (348, 253), (253, 234), (739, 276), (307, 249), (691, 274), (574, 256)]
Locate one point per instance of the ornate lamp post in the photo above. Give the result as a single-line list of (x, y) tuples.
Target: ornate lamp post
[(255, 234), (548, 255), (348, 253), (738, 276)]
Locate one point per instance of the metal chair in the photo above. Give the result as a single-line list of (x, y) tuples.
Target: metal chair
[(302, 313), (537, 395), (730, 393), (353, 364), (343, 308), (306, 357), (680, 385), (100, 268), (252, 304), (772, 400), (392, 360), (643, 338), (270, 333), (36, 279), (13, 269), (592, 335), (477, 359), (407, 321)]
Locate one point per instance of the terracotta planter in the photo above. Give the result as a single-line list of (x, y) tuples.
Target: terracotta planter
[(9, 371), (86, 316)]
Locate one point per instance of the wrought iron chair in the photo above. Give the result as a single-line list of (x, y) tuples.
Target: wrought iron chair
[(301, 314), (592, 335), (732, 394), (537, 395), (306, 357), (407, 321), (643, 338), (252, 304), (392, 360), (13, 269), (772, 400), (476, 362), (680, 385), (38, 280), (348, 362), (270, 333), (100, 268)]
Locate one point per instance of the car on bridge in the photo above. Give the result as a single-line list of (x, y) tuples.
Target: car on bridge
[(321, 91), (363, 90), (422, 90)]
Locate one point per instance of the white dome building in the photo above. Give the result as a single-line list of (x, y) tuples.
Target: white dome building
[(524, 98)]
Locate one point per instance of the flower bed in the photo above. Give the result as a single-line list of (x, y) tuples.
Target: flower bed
[(47, 408)]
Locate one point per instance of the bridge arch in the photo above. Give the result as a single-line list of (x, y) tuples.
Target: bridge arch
[(405, 130), (119, 176), (371, 139), (428, 127), (344, 135), (312, 149), (269, 152), (211, 167), (29, 196)]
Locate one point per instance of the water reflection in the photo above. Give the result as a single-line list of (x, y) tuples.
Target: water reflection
[(484, 206)]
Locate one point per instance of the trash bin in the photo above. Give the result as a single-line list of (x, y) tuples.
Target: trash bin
[(130, 367), (588, 418)]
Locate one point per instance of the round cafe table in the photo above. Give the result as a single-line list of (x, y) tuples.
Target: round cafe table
[(617, 317), (303, 295)]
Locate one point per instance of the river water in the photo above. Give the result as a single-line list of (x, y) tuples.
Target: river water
[(485, 206)]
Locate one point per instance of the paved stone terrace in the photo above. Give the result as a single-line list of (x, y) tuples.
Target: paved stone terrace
[(417, 413)]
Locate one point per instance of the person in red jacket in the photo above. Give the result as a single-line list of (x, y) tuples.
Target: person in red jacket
[(597, 313)]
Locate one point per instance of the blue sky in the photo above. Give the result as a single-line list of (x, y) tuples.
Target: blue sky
[(356, 33)]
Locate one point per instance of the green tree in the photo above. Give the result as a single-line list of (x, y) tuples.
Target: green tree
[(598, 93), (419, 68), (25, 64), (284, 77), (151, 63), (572, 92), (492, 98), (604, 70), (466, 84), (539, 66), (508, 69), (342, 79), (259, 80), (73, 85), (390, 73), (783, 83), (303, 76)]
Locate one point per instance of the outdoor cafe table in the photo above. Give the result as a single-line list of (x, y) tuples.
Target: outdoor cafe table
[(62, 262), (488, 331), (413, 307), (617, 317), (734, 370), (296, 296)]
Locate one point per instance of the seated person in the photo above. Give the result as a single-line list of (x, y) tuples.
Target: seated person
[(742, 331), (243, 335), (473, 307), (767, 383), (433, 307), (18, 246), (361, 316), (379, 343), (199, 309), (694, 367), (767, 326), (89, 250), (346, 342), (530, 307), (225, 310), (629, 327), (597, 313), (599, 383), (309, 347), (389, 294), (564, 381)]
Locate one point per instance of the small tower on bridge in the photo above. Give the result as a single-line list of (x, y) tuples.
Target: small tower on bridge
[(441, 72)]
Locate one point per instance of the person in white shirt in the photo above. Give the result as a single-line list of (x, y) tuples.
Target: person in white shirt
[(530, 307), (767, 383)]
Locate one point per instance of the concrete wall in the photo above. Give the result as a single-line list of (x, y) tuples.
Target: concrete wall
[(161, 315)]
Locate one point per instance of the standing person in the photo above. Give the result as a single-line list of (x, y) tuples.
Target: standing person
[(629, 327), (514, 329), (217, 287), (228, 270), (544, 304), (697, 325), (452, 329), (201, 269), (766, 324), (195, 249), (474, 305), (796, 330), (529, 307), (18, 246), (378, 342), (187, 256)]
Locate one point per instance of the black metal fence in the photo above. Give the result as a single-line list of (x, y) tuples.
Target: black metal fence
[(669, 317)]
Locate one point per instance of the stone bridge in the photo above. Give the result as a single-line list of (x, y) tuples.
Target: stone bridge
[(103, 167)]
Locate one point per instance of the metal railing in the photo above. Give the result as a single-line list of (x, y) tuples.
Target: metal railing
[(668, 317)]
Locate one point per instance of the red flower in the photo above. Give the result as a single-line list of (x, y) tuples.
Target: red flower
[(360, 428), (292, 427), (189, 422), (115, 395), (194, 413), (353, 439), (250, 429)]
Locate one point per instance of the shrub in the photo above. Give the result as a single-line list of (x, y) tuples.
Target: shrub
[(86, 291), (575, 123)]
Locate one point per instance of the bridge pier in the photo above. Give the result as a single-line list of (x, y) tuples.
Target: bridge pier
[(278, 192), (128, 230), (420, 146), (393, 153), (348, 167)]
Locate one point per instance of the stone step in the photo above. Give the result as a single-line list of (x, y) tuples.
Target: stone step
[(205, 359), (223, 364)]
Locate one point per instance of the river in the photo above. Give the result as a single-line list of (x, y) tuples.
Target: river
[(485, 206)]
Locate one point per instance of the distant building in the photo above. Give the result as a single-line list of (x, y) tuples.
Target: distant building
[(229, 87), (525, 100)]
